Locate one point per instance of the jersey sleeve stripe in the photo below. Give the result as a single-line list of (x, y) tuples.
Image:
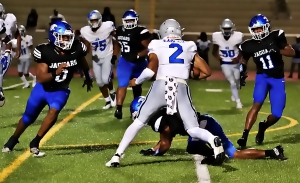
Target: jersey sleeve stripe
[(37, 53), (83, 47)]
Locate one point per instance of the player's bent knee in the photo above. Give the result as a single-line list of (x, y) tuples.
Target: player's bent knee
[(277, 114)]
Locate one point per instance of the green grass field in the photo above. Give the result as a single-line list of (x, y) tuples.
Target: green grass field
[(78, 152)]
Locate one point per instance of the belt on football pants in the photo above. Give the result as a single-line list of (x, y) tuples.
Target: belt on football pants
[(177, 79)]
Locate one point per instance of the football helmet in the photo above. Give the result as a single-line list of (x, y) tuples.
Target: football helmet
[(130, 19), (227, 27), (61, 35), (170, 28), (94, 15), (261, 22), (135, 106), (22, 30), (2, 11)]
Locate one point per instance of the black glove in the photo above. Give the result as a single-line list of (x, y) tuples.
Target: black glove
[(89, 84), (113, 59), (147, 152), (243, 78)]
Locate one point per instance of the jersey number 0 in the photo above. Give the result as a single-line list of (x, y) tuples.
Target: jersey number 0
[(173, 59)]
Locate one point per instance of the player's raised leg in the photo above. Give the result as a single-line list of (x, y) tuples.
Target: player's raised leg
[(259, 95), (124, 70), (277, 98)]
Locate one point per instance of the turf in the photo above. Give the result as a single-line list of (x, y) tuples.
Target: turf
[(78, 152)]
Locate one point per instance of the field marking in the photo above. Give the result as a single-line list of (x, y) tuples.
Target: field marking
[(292, 123), (201, 169), (14, 86), (24, 156)]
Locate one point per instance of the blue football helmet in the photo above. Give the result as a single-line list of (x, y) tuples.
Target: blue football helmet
[(259, 21), (130, 19), (135, 106), (61, 35)]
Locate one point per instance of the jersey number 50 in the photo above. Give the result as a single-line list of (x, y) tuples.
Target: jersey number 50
[(62, 76), (173, 59), (99, 44)]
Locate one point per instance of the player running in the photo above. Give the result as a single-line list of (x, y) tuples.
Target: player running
[(25, 58), (170, 126), (225, 49), (133, 41), (170, 57), (266, 47), (57, 61), (99, 36)]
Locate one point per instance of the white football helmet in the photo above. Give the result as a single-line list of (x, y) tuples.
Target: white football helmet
[(94, 15), (22, 30), (2, 11), (170, 28), (227, 27)]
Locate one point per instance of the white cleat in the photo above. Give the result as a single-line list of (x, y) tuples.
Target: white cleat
[(34, 81), (239, 105), (26, 86), (113, 99), (6, 150), (37, 153), (107, 106), (218, 149), (114, 161)]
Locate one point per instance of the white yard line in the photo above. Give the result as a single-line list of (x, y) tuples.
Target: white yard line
[(201, 170), (14, 86)]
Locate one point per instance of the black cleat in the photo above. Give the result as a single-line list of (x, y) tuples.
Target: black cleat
[(242, 142), (278, 153), (260, 134), (118, 114)]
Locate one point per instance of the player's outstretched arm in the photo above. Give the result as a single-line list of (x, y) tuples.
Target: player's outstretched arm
[(288, 51), (275, 153), (200, 64), (147, 73)]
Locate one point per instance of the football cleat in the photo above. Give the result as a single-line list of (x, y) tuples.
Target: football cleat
[(107, 106), (118, 114), (278, 153), (242, 142), (260, 134), (217, 146), (26, 86), (10, 144), (113, 99), (115, 160), (36, 152)]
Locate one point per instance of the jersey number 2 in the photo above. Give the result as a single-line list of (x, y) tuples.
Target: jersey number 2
[(266, 59), (173, 58), (100, 44), (62, 76)]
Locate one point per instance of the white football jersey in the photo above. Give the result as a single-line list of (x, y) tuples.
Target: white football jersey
[(2, 37), (25, 43), (228, 48), (11, 24), (101, 40), (174, 57)]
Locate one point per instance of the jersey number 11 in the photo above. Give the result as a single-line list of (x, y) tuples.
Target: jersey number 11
[(265, 60)]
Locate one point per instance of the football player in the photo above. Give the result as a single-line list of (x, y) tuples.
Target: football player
[(99, 36), (266, 48), (170, 58), (225, 49), (6, 45), (11, 30), (25, 58), (57, 61), (133, 40), (170, 126)]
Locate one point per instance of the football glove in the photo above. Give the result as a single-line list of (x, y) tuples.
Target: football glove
[(113, 60), (150, 152)]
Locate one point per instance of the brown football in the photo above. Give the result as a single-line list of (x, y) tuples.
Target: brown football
[(196, 72)]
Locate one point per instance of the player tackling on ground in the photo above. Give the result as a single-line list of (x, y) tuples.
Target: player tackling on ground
[(99, 36), (170, 57), (225, 49), (57, 61), (266, 47), (169, 126), (25, 58)]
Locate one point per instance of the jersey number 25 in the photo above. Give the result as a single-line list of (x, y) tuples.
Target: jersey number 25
[(173, 59)]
